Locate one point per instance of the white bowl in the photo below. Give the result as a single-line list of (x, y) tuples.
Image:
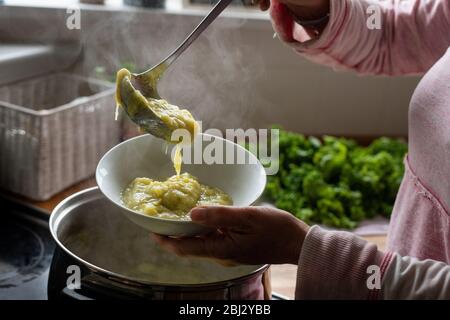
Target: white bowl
[(146, 156)]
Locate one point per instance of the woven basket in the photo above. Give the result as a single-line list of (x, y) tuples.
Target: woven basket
[(53, 131)]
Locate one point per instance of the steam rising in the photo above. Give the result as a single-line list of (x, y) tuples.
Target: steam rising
[(214, 78), (99, 233)]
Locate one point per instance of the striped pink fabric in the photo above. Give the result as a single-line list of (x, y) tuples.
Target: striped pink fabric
[(333, 265), (414, 39)]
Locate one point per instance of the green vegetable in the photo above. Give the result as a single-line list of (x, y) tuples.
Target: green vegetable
[(335, 181)]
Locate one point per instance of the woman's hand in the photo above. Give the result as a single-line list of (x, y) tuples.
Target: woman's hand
[(248, 235), (302, 9)]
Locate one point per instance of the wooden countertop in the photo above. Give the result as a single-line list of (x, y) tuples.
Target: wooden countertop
[(283, 276), (50, 204)]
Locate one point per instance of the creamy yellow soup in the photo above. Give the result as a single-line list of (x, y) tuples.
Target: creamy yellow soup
[(172, 116), (173, 198), (177, 159)]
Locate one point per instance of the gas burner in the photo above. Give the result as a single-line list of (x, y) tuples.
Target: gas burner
[(23, 254), (26, 248)]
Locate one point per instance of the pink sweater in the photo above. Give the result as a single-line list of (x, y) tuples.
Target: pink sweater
[(414, 39)]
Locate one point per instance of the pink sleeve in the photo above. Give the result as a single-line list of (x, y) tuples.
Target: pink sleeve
[(409, 278), (414, 34), (334, 265)]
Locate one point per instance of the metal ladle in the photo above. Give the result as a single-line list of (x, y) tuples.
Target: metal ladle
[(133, 88)]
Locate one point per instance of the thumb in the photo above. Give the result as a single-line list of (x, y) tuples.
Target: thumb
[(219, 216)]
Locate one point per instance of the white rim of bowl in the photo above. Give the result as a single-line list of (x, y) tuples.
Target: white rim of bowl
[(261, 169)]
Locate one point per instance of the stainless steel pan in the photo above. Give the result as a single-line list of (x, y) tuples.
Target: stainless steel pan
[(115, 254)]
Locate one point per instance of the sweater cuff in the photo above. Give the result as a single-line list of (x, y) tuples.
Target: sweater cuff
[(334, 265)]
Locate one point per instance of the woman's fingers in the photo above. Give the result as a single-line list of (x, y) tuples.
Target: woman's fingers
[(183, 246), (264, 4), (220, 216), (210, 246), (249, 235)]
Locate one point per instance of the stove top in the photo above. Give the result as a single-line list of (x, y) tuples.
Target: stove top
[(26, 252), (26, 249)]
